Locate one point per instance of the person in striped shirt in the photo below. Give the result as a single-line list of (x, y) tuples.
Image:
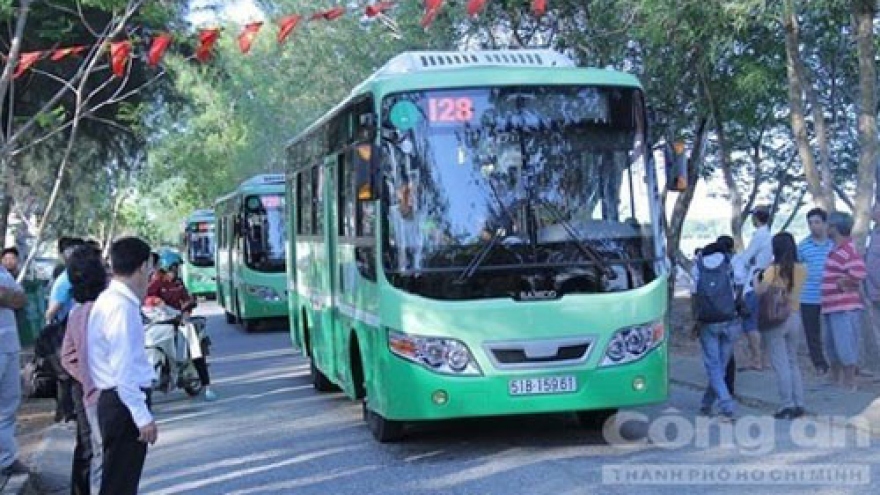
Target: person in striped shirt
[(841, 300), (812, 252)]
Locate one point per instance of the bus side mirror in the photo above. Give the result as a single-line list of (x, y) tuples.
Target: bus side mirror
[(365, 162), (236, 227), (676, 167)]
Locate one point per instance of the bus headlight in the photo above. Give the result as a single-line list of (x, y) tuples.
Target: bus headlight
[(632, 343), (263, 292), (438, 354)]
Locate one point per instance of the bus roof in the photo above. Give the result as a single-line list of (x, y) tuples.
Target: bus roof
[(263, 183), (200, 215), (413, 71)]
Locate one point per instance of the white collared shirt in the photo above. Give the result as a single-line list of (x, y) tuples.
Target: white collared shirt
[(757, 256), (117, 356)]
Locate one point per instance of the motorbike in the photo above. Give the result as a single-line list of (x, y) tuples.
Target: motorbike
[(172, 342)]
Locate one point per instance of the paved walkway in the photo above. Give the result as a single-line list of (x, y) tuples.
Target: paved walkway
[(756, 389)]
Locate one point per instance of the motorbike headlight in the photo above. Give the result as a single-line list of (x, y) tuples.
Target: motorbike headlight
[(438, 354), (632, 343), (263, 292)]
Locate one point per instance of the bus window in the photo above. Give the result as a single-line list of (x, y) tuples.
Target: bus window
[(264, 232), (200, 244)]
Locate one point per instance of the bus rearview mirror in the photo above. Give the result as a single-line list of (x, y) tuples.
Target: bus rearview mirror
[(366, 182), (676, 167)]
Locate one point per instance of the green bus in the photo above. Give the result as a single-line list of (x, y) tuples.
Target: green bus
[(198, 271), (251, 259), (479, 234)]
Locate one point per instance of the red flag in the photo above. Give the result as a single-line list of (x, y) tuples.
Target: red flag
[(207, 38), (329, 14), (61, 53), (248, 35), (119, 53), (378, 8), (539, 7), (287, 24), (432, 8), (475, 6), (157, 48), (25, 61)]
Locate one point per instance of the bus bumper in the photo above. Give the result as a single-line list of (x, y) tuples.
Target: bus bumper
[(256, 308), (643, 382)]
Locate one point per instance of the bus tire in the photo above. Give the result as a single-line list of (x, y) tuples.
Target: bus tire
[(250, 325), (230, 318), (319, 379), (594, 419), (383, 430)]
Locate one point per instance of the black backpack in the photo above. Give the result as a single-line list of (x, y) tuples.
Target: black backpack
[(47, 347), (715, 298)]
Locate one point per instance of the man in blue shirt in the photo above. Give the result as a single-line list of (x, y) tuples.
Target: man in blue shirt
[(813, 252), (61, 295)]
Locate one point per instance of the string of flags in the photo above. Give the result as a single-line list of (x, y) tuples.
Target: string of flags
[(121, 51)]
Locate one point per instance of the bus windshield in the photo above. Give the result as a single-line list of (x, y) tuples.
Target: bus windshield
[(265, 233), (200, 244), (527, 192)]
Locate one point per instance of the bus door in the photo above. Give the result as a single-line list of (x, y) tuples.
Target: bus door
[(329, 278)]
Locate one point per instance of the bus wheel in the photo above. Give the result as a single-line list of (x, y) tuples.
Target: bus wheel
[(230, 318), (383, 430), (595, 419), (320, 380), (250, 325)]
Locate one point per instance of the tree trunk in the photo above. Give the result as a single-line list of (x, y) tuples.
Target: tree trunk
[(864, 12), (5, 210), (797, 75)]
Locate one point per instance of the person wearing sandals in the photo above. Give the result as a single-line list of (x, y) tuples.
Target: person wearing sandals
[(781, 341), (842, 302)]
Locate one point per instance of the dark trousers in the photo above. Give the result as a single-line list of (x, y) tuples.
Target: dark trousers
[(811, 314), (124, 454), (730, 373), (64, 406), (82, 451), (202, 369)]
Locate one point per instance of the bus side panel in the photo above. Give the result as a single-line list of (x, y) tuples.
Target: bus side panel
[(293, 300), (358, 317)]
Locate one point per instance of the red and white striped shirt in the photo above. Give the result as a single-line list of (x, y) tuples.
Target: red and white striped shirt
[(844, 262)]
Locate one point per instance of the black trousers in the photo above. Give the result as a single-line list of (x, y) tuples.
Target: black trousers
[(82, 451), (202, 369), (124, 454), (811, 314), (64, 406)]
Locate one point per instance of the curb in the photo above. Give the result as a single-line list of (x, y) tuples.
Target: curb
[(858, 422)]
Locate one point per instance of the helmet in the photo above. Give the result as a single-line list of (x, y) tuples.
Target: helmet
[(168, 259)]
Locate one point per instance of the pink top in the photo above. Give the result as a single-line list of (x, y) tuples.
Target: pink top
[(75, 352)]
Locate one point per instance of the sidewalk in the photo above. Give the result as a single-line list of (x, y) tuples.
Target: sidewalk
[(758, 389)]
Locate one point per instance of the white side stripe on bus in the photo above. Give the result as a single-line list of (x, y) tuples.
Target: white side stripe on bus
[(371, 319), (321, 300)]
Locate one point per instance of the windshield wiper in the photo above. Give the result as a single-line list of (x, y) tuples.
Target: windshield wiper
[(478, 259), (586, 249)]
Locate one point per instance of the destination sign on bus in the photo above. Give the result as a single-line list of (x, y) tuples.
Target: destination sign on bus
[(450, 110), (272, 201), (201, 227)]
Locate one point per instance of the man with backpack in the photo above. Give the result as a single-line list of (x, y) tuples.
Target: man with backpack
[(715, 309)]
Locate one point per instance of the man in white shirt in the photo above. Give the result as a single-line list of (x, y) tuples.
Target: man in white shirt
[(119, 367), (756, 257)]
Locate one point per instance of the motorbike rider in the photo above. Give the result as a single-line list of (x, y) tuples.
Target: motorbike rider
[(168, 287)]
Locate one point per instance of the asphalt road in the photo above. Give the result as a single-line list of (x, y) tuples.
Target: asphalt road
[(270, 432)]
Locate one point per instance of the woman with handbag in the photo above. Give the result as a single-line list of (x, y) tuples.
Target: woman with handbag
[(779, 291)]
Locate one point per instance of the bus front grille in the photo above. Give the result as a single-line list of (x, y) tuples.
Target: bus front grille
[(538, 353)]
